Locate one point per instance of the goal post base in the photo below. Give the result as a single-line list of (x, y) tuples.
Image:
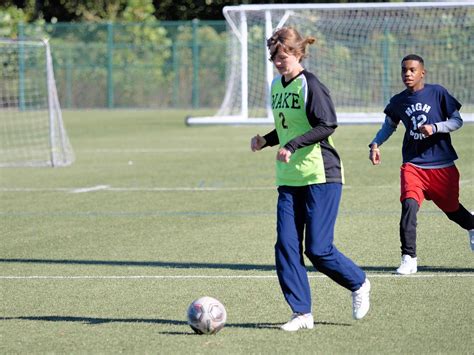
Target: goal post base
[(227, 120), (343, 118)]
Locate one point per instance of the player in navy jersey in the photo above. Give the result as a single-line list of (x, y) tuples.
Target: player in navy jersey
[(309, 176), (429, 113)]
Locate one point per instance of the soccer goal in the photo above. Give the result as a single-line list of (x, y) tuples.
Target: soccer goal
[(357, 54), (32, 132)]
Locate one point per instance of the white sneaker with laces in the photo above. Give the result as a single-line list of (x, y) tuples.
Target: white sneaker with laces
[(299, 321), (361, 301), (471, 238), (407, 266)]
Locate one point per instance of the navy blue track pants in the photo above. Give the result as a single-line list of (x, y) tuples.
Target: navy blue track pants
[(307, 214)]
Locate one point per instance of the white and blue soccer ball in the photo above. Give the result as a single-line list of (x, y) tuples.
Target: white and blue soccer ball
[(206, 315)]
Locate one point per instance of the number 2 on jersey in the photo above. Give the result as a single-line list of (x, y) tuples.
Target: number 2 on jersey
[(283, 123)]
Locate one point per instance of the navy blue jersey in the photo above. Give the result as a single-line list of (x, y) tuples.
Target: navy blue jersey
[(429, 105)]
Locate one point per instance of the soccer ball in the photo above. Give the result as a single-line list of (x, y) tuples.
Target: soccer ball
[(206, 315)]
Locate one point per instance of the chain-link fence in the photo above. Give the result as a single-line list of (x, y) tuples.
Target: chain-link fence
[(178, 64)]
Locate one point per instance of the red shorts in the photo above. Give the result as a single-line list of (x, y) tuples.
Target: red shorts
[(439, 185)]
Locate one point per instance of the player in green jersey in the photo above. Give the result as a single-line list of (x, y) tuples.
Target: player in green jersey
[(309, 176)]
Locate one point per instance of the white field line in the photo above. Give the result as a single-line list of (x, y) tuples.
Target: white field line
[(147, 189), (130, 189), (90, 189), (109, 188), (220, 277), (161, 150), (186, 150)]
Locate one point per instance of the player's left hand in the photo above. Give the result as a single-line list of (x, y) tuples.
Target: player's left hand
[(426, 130), (283, 155)]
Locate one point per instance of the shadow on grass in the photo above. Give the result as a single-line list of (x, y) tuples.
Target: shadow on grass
[(196, 265), (98, 321), (157, 264)]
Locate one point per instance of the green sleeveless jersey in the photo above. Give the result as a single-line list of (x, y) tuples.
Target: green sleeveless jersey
[(298, 106)]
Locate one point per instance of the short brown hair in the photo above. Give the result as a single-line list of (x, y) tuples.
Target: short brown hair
[(290, 41)]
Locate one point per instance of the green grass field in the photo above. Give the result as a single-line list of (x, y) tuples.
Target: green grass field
[(106, 255)]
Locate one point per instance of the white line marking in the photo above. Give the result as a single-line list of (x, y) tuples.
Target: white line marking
[(108, 188), (228, 277), (131, 189), (162, 150), (89, 189), (145, 150), (147, 189)]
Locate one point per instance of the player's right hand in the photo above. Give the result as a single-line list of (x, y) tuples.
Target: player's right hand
[(257, 143)]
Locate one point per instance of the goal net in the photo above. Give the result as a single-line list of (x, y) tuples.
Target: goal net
[(31, 127), (357, 55)]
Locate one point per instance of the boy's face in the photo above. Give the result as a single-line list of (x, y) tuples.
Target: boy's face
[(413, 73)]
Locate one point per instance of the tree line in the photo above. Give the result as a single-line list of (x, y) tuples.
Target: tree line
[(110, 10)]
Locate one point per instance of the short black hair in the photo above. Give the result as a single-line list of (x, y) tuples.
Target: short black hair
[(414, 57)]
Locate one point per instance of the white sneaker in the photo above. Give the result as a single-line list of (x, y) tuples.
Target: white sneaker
[(471, 238), (407, 266), (299, 321), (361, 301)]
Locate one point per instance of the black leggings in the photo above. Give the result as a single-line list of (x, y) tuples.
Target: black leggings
[(408, 223)]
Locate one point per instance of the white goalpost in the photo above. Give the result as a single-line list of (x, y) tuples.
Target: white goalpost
[(32, 132), (357, 55)]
